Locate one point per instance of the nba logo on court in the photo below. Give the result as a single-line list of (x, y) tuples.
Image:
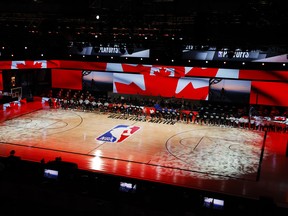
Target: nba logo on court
[(118, 134)]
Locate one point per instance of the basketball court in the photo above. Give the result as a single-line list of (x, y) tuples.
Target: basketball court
[(233, 161)]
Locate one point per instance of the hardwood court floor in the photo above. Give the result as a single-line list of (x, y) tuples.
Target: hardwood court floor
[(231, 161)]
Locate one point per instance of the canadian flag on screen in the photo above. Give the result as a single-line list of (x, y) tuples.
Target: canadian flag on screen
[(161, 81), (38, 64)]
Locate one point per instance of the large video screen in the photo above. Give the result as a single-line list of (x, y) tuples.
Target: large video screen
[(98, 81), (67, 79), (269, 93), (116, 50), (164, 86), (230, 91)]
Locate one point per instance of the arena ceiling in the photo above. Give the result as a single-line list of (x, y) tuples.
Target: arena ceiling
[(53, 23)]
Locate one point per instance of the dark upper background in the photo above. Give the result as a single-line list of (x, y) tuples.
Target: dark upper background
[(53, 24)]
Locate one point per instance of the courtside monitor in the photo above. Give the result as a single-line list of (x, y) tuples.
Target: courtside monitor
[(127, 187), (213, 203), (51, 174)]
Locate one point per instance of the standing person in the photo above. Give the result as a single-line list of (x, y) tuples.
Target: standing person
[(190, 117), (13, 163), (184, 116), (222, 94), (252, 112), (178, 115), (152, 114)]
